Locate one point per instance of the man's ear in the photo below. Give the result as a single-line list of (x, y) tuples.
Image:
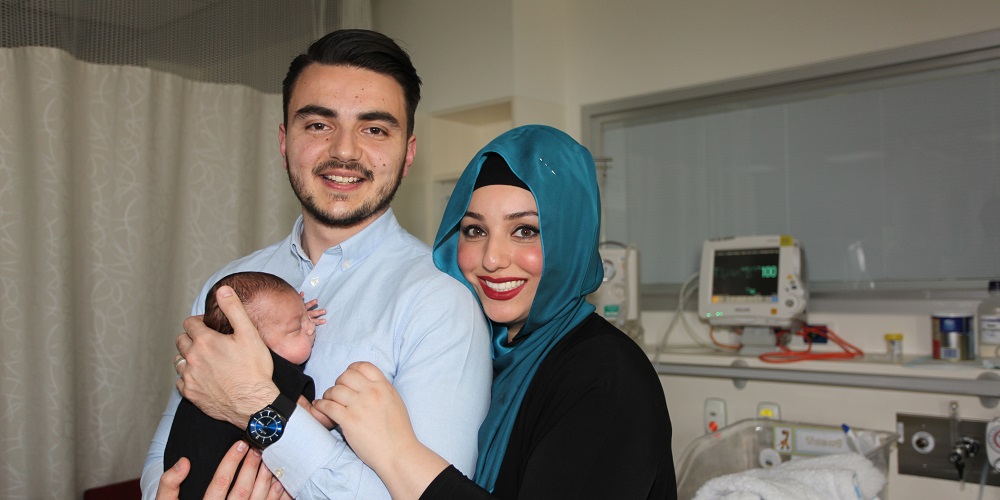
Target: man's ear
[(281, 144), (411, 153)]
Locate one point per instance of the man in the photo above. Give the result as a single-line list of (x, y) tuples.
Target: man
[(347, 142)]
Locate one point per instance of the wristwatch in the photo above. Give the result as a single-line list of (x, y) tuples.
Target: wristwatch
[(267, 425)]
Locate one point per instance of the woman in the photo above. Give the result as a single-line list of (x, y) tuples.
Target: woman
[(577, 409)]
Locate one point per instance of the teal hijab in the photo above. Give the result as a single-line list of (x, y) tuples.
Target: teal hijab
[(560, 174)]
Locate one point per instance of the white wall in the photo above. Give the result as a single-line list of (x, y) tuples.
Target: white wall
[(540, 61)]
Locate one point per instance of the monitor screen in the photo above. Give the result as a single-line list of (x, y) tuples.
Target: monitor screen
[(746, 275)]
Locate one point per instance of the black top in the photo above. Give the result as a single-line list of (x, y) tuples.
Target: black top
[(593, 424), (205, 441)]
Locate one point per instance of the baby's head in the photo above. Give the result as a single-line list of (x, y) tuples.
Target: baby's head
[(274, 307)]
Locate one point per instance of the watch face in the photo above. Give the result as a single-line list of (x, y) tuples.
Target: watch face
[(266, 427)]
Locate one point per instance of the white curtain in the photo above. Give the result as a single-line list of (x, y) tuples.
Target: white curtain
[(121, 190)]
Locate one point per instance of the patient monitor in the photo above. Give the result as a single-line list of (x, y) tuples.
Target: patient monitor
[(752, 281)]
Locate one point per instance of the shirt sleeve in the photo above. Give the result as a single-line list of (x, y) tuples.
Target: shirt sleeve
[(152, 469), (443, 374)]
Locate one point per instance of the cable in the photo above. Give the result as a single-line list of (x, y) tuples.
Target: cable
[(786, 355), (679, 314), (727, 347), (982, 478)]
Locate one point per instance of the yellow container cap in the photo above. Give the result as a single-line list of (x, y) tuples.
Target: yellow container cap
[(894, 336)]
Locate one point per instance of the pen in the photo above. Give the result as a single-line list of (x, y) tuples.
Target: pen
[(852, 438)]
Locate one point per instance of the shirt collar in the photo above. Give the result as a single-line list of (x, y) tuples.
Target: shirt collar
[(355, 248)]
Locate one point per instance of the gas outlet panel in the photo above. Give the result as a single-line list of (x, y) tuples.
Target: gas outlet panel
[(926, 443)]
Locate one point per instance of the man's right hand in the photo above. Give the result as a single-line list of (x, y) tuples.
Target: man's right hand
[(226, 376)]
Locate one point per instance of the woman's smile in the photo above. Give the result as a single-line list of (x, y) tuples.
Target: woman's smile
[(501, 288)]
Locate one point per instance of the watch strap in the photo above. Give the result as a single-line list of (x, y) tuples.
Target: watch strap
[(283, 405)]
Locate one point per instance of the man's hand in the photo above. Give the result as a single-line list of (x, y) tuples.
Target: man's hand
[(226, 376), (253, 481)]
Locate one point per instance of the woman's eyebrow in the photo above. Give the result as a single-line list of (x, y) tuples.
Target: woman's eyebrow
[(518, 215)]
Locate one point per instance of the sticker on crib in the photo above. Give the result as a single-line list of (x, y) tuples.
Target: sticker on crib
[(809, 441)]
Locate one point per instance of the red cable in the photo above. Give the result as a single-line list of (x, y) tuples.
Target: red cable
[(787, 355)]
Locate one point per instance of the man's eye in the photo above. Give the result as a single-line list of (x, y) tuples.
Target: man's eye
[(316, 126), (376, 131)]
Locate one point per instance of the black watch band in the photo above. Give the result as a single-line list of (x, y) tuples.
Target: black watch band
[(283, 405), (267, 425)]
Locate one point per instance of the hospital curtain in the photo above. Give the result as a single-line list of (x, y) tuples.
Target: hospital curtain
[(122, 188)]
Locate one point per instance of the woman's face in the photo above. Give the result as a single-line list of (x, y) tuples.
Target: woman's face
[(500, 252)]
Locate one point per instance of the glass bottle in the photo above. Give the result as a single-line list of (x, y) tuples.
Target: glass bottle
[(988, 316)]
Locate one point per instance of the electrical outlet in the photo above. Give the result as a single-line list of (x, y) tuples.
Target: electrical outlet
[(715, 414), (769, 410), (926, 443)]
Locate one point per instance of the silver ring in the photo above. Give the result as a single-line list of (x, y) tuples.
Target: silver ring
[(179, 361)]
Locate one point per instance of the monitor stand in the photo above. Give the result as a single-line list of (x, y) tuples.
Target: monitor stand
[(757, 340)]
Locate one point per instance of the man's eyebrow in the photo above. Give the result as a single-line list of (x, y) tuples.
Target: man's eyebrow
[(314, 109), (379, 116)]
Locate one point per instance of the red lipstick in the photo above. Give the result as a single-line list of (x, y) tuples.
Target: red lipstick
[(502, 288)]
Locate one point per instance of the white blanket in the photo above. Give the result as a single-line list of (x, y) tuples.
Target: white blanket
[(847, 476)]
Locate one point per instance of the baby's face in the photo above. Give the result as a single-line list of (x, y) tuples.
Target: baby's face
[(285, 325)]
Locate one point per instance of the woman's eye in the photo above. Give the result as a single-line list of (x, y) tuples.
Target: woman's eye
[(526, 232), (473, 231)]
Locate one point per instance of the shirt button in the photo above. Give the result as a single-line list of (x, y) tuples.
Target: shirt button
[(347, 264), (280, 472), (314, 281)]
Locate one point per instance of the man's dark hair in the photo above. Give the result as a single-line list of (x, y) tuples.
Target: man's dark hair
[(363, 49), (248, 287)]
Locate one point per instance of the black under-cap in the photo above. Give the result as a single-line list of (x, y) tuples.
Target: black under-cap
[(496, 171)]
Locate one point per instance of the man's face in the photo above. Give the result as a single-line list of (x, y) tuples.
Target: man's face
[(345, 146)]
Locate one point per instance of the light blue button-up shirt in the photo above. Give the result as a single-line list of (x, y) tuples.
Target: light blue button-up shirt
[(387, 304)]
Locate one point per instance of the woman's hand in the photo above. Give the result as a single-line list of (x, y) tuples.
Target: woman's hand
[(254, 480), (369, 411), (376, 425), (321, 417)]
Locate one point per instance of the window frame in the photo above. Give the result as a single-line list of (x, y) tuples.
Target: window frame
[(850, 71)]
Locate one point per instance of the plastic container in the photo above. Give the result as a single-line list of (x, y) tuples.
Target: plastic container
[(757, 443), (953, 336), (988, 316), (894, 347)]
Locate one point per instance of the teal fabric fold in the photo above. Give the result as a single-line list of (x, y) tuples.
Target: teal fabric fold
[(560, 173)]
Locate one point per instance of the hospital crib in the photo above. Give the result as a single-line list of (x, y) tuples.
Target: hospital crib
[(763, 443)]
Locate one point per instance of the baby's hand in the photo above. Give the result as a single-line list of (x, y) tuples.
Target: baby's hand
[(314, 314), (318, 415)]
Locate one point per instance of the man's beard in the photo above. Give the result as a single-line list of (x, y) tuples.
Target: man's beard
[(383, 197)]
